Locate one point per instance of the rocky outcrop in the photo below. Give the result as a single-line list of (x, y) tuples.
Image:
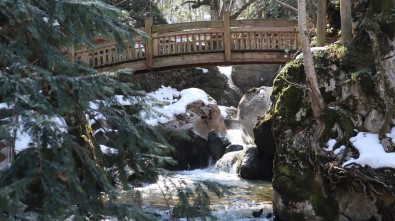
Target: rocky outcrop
[(246, 77), (253, 105), (312, 185), (254, 165)]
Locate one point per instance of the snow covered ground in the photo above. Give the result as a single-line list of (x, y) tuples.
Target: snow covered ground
[(371, 151)]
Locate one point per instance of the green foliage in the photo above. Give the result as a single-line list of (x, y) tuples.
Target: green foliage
[(138, 10), (64, 173), (194, 201)]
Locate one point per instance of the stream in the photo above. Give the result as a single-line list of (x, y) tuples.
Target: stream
[(247, 196)]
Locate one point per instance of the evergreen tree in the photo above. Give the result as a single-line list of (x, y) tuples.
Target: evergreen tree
[(51, 99)]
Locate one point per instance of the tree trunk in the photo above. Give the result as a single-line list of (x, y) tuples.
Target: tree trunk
[(317, 102), (312, 11), (215, 10), (321, 22), (346, 21)]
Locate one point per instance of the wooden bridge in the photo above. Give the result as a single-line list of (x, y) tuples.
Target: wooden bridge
[(207, 43)]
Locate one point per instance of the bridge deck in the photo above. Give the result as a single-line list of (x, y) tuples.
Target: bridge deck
[(207, 43)]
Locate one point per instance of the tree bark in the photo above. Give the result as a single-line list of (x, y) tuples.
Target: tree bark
[(317, 102), (346, 21), (312, 11), (235, 15), (321, 22), (285, 5), (384, 78)]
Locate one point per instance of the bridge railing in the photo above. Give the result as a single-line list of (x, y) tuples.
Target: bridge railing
[(224, 36)]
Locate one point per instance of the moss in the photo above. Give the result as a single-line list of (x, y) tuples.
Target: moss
[(292, 72), (365, 78), (325, 207), (343, 119), (289, 190), (293, 216), (385, 10), (288, 103)]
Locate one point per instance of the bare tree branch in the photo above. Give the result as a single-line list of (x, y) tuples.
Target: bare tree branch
[(236, 14), (285, 5)]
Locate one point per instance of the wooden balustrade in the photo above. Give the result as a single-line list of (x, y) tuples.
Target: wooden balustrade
[(226, 37)]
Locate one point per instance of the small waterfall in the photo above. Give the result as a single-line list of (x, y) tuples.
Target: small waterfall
[(228, 163)]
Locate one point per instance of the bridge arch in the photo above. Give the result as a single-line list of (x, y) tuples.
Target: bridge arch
[(205, 43)]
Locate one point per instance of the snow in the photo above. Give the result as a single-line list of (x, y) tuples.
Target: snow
[(204, 70), (330, 144), (223, 110), (371, 151), (174, 103), (108, 150), (313, 50), (392, 135), (23, 138), (340, 149), (4, 106)]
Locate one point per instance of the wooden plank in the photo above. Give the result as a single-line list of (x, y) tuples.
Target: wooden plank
[(227, 37), (263, 22), (149, 57), (263, 29), (186, 26)]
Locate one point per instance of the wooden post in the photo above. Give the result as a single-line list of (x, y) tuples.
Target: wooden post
[(346, 21), (227, 38), (149, 58)]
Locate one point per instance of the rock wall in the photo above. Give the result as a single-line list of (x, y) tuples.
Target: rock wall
[(246, 77), (209, 79), (315, 186)]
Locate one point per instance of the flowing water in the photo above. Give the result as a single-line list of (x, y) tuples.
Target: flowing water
[(247, 196)]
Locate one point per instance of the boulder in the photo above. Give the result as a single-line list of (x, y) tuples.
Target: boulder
[(217, 142), (215, 84), (233, 147), (199, 120), (250, 76), (264, 138), (374, 121), (190, 153), (253, 105), (254, 165)]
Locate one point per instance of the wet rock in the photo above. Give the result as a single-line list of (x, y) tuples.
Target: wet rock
[(253, 106), (254, 165), (217, 142), (190, 153), (257, 213), (264, 138), (233, 147), (250, 76)]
